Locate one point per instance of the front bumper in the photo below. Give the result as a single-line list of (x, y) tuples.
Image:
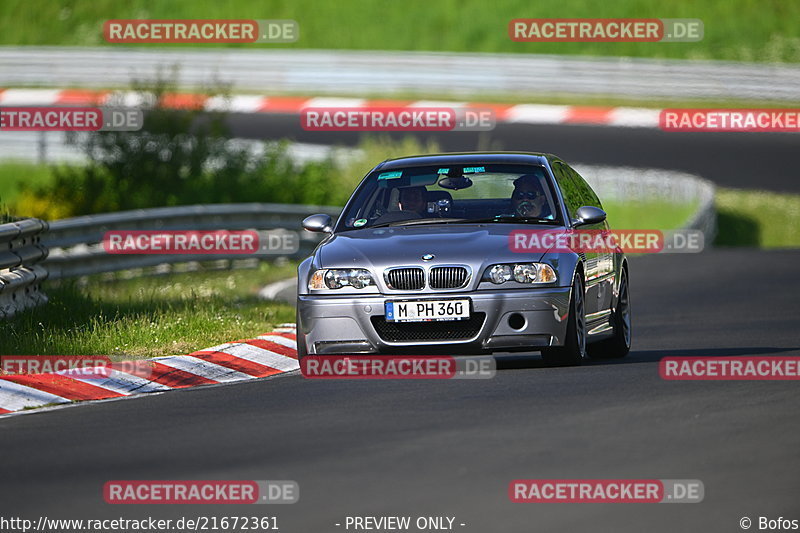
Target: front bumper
[(501, 320)]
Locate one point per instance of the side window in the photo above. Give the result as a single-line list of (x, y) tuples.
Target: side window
[(587, 194), (570, 187)]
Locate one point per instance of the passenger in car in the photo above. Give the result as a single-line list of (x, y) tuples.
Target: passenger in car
[(414, 199)]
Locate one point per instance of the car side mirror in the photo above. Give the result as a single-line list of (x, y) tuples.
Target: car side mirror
[(318, 223), (588, 214)]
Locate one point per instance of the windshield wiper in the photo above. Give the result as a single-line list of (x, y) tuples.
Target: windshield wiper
[(499, 219), (508, 218), (419, 221)]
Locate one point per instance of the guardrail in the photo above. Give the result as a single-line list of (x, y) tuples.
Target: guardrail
[(353, 72), (76, 244), (637, 184), (21, 273)]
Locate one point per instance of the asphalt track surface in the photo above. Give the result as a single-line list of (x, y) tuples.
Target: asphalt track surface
[(450, 448)]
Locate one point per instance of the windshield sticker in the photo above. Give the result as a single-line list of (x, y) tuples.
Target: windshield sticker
[(360, 222), (390, 175), (473, 170), (443, 171)]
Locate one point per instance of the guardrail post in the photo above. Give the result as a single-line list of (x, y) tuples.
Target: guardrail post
[(21, 273)]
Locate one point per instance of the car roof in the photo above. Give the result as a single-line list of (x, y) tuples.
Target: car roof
[(467, 158)]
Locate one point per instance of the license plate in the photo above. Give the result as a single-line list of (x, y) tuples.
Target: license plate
[(422, 310)]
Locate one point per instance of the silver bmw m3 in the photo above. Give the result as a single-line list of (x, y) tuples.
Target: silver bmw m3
[(425, 259)]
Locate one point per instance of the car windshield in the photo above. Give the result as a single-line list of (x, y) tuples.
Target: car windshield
[(453, 194)]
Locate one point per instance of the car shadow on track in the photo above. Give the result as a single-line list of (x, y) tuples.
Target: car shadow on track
[(653, 356), (513, 362)]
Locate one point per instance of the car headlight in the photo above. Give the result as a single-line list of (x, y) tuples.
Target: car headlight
[(525, 273), (336, 278), (500, 274), (521, 273)]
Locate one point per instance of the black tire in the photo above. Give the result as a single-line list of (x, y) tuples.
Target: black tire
[(302, 349), (619, 345), (573, 352)]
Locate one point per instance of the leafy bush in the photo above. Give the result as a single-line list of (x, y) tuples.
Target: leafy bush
[(164, 166), (185, 156), (180, 157)]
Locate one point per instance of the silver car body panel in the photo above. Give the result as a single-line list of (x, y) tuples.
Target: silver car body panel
[(349, 320)]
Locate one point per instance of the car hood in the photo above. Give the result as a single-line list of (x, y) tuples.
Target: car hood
[(475, 245)]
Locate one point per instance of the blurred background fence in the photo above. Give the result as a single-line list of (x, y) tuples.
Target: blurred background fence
[(380, 72)]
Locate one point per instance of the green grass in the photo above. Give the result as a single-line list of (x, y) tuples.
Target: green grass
[(748, 30), (13, 173), (647, 214), (147, 317), (757, 218)]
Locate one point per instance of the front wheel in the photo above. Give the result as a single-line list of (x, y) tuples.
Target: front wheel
[(619, 345), (573, 352)]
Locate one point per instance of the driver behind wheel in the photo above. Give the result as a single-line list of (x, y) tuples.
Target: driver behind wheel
[(528, 199)]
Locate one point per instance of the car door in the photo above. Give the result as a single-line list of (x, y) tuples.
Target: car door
[(574, 194), (604, 257)]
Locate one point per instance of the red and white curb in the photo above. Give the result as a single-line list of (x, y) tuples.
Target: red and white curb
[(267, 355), (249, 103)]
